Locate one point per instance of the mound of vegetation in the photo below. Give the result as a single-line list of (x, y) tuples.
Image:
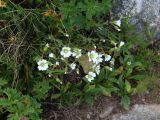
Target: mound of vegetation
[(67, 52)]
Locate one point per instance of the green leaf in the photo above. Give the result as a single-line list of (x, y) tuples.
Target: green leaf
[(38, 1), (119, 71), (129, 72), (137, 77), (128, 86), (56, 96), (125, 101), (102, 74), (13, 117), (90, 87), (67, 87), (3, 82), (4, 102), (79, 101), (41, 89), (95, 91), (105, 91)]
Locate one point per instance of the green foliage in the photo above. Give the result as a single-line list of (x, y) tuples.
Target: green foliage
[(28, 27), (84, 14), (41, 89), (17, 105)]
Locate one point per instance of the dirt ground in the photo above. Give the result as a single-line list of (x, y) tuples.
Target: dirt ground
[(86, 112)]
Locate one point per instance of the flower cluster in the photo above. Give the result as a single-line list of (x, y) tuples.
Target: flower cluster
[(94, 57), (66, 52), (90, 76)]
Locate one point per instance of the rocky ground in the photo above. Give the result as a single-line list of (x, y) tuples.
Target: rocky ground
[(140, 112)]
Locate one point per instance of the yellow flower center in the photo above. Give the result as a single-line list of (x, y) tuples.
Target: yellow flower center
[(91, 56), (65, 50), (42, 64)]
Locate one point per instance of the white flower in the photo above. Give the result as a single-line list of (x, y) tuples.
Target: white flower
[(77, 71), (118, 29), (118, 23), (66, 35), (77, 53), (129, 63), (57, 63), (121, 44), (49, 75), (51, 55), (47, 45), (116, 48), (73, 66), (42, 65), (113, 43), (62, 58), (107, 57), (93, 56), (90, 76), (97, 69), (99, 59), (109, 68), (66, 52), (103, 40)]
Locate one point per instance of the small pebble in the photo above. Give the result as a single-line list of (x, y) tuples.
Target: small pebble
[(143, 100), (88, 116)]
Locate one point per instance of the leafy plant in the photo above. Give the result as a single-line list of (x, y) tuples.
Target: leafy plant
[(17, 105)]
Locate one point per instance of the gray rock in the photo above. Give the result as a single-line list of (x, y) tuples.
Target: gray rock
[(143, 12), (140, 112)]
